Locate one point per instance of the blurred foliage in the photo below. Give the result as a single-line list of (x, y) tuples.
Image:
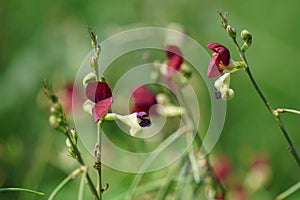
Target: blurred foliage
[(49, 39)]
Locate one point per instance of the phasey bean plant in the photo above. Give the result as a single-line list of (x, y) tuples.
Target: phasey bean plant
[(193, 177)]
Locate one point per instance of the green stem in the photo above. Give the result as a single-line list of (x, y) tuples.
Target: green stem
[(81, 188), (164, 190), (200, 144), (98, 164), (289, 192), (282, 110), (210, 169), (64, 182), (81, 162), (267, 104), (21, 190)]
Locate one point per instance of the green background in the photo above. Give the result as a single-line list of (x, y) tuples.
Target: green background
[(48, 39)]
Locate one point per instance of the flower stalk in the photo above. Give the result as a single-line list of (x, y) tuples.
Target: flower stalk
[(62, 126), (291, 147)]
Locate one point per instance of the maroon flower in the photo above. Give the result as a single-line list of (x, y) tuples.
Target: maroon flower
[(219, 61), (222, 167), (70, 97), (175, 58), (99, 93), (143, 99)]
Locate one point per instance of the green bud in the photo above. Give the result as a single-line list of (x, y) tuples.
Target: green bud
[(231, 31), (186, 71), (68, 143), (74, 135), (72, 153), (90, 77), (93, 63), (98, 50), (53, 98), (93, 36), (247, 37), (56, 109), (102, 79), (238, 65), (53, 121)]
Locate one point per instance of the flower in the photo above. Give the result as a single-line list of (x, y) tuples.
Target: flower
[(143, 99), (99, 93), (222, 167), (70, 97), (136, 121), (219, 61), (222, 86), (175, 59)]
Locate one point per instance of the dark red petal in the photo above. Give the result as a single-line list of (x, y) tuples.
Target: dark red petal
[(213, 70), (173, 50), (101, 108), (224, 54), (214, 46), (175, 62), (143, 98), (98, 91)]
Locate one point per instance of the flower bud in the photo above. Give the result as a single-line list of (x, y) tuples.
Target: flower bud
[(228, 95), (53, 121), (72, 153), (222, 86), (90, 77), (74, 135), (93, 63), (68, 143), (186, 71), (247, 37), (98, 49), (56, 109), (231, 31)]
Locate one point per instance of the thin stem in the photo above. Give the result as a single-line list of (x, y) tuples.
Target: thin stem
[(288, 192), (81, 162), (21, 190), (199, 141), (81, 188), (210, 168), (98, 164), (162, 193), (71, 176), (282, 110), (267, 104)]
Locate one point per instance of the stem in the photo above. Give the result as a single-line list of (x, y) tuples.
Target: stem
[(81, 162), (20, 190), (98, 164), (210, 168), (162, 193), (64, 182), (288, 192), (199, 141), (268, 105), (81, 188), (282, 110)]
